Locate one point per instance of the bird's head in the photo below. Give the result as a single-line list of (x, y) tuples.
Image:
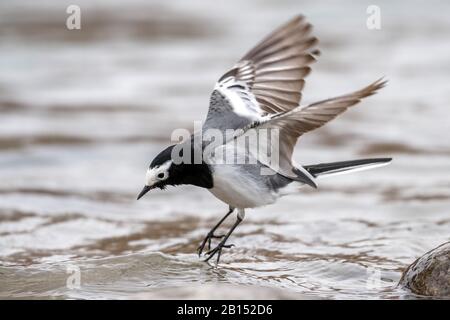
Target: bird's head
[(160, 172)]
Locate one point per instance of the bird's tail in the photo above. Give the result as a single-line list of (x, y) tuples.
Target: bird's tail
[(334, 168)]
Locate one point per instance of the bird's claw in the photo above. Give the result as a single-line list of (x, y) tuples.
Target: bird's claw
[(207, 239), (218, 250)]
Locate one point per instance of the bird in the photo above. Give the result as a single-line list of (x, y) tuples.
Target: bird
[(262, 92)]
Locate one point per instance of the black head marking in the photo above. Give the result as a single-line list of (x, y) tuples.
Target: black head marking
[(162, 157), (195, 174), (183, 173)]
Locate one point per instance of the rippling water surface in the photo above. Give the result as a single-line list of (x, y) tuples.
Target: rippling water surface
[(83, 112)]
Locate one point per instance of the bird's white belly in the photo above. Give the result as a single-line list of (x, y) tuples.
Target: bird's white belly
[(238, 189)]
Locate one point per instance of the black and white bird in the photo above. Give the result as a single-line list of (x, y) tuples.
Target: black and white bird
[(262, 91)]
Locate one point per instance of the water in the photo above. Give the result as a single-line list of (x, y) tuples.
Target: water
[(83, 113)]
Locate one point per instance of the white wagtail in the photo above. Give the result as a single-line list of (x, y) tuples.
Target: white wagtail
[(261, 91)]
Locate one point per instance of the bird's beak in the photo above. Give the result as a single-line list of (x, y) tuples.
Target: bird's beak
[(144, 191)]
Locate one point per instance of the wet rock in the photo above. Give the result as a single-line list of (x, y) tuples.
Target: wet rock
[(430, 274)]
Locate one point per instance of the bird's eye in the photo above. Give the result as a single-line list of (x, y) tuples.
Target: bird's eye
[(161, 175)]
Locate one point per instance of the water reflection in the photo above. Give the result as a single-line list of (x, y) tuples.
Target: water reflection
[(82, 113)]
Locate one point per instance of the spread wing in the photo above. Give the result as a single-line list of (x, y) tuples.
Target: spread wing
[(292, 124), (267, 80)]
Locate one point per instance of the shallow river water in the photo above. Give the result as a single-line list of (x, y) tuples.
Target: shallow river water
[(83, 112)]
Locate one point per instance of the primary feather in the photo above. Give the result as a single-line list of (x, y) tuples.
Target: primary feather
[(267, 80), (290, 125)]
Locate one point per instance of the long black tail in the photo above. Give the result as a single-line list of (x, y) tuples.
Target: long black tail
[(323, 169)]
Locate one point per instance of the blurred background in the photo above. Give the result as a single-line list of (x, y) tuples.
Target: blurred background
[(83, 112)]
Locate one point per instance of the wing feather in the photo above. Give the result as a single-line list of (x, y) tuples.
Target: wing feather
[(292, 124), (270, 76)]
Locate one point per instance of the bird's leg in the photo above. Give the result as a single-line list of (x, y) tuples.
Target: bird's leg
[(211, 234), (221, 245)]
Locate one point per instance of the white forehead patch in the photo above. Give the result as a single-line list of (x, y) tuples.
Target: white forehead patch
[(151, 175)]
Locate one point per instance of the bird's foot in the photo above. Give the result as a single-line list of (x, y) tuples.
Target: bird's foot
[(218, 250), (207, 240)]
